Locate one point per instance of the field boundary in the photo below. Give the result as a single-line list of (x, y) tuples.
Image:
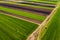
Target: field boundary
[(36, 32)]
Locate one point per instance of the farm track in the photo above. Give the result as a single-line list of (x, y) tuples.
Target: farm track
[(39, 4), (43, 11), (22, 17)]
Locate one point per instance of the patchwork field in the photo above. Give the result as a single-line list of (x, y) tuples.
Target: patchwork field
[(26, 14), (51, 30), (29, 20), (34, 5)]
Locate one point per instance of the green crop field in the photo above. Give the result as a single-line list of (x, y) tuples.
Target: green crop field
[(26, 14), (53, 27), (15, 29), (47, 26), (45, 1), (49, 8)]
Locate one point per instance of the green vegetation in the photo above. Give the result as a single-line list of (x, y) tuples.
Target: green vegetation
[(15, 29), (1, 0), (26, 14), (12, 28), (45, 1), (49, 8), (51, 30)]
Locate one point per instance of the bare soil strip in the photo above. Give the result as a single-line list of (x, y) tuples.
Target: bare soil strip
[(39, 4), (22, 17), (43, 11)]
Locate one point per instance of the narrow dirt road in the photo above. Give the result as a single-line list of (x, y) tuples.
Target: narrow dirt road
[(36, 32)]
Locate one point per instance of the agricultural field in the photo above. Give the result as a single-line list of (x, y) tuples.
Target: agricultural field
[(34, 5), (26, 14), (29, 20), (15, 29)]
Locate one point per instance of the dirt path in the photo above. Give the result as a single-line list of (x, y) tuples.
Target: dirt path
[(36, 32), (22, 17)]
